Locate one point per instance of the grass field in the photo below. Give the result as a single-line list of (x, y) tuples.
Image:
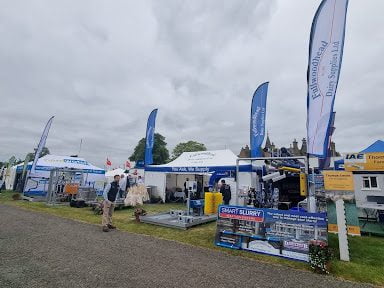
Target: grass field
[(367, 253)]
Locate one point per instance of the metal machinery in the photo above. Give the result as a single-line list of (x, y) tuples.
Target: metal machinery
[(69, 184), (197, 205), (183, 219), (264, 194)]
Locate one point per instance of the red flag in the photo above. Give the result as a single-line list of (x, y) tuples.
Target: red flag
[(109, 163), (127, 164)]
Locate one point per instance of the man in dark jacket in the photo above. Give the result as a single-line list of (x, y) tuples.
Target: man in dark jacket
[(110, 194), (225, 190)]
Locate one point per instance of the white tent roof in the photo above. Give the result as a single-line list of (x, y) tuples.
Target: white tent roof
[(204, 159), (117, 171), (63, 162)]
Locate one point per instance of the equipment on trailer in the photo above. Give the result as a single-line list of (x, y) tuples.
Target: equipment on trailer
[(68, 185)]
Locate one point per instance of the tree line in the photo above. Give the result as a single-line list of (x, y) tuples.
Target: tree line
[(161, 154), (30, 157)]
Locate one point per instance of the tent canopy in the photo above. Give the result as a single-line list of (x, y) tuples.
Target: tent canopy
[(200, 162), (49, 162), (378, 146), (112, 173)]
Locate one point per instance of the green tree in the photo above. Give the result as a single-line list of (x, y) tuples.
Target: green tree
[(190, 146), (160, 151), (44, 151)]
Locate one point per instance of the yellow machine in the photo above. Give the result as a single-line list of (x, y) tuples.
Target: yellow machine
[(212, 202), (290, 169), (209, 203), (218, 201), (303, 184)]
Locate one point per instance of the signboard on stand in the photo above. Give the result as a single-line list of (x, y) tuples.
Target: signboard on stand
[(275, 232), (340, 185), (338, 180), (364, 162)]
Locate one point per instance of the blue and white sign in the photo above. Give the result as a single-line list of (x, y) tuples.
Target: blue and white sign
[(241, 213), (257, 127), (325, 56), (281, 233), (150, 137)]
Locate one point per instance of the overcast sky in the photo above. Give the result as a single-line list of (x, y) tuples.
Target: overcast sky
[(101, 66)]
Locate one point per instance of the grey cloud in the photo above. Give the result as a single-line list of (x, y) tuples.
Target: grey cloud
[(102, 66)]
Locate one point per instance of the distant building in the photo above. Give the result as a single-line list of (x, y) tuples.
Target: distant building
[(293, 149), (245, 152)]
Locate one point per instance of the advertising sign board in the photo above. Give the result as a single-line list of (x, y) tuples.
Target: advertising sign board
[(275, 232), (338, 180), (364, 161)]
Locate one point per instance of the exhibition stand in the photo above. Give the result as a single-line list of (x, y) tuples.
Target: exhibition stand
[(195, 213), (277, 215)]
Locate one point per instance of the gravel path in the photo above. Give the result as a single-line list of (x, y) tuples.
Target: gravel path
[(41, 250)]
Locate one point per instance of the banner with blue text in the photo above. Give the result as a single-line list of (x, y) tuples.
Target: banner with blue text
[(150, 138), (325, 57), (281, 233), (258, 112)]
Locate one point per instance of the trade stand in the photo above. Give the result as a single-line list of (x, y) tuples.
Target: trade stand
[(205, 167), (273, 217), (68, 185), (183, 219), (37, 186), (364, 196)]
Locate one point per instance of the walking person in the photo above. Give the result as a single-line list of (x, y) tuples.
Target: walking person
[(225, 190), (110, 194)]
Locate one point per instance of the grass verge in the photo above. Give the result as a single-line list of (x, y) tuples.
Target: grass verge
[(367, 253)]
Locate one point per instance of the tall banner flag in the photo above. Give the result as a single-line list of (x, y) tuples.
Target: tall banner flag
[(257, 127), (325, 57), (326, 162), (41, 145), (150, 138), (20, 185)]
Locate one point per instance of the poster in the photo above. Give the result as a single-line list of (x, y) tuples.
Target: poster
[(274, 232), (364, 162), (338, 180)]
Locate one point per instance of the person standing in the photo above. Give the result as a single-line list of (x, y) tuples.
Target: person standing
[(225, 190), (110, 194), (122, 184), (128, 183), (185, 188)]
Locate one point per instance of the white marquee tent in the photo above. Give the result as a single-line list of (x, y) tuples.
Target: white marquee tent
[(218, 163), (111, 173), (95, 176)]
